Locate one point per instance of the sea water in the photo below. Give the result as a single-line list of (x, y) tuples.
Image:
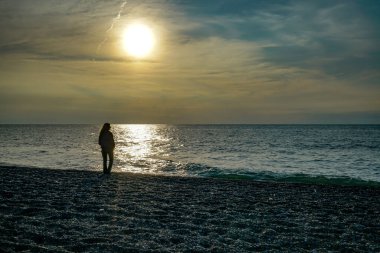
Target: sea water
[(339, 154)]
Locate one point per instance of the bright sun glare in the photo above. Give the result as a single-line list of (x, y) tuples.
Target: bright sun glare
[(138, 40)]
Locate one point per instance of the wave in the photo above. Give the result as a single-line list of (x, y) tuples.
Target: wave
[(213, 172), (200, 170)]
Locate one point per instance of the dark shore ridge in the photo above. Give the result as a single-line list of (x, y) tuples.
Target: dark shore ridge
[(79, 211)]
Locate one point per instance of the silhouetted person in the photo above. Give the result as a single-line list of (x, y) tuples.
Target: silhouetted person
[(107, 144)]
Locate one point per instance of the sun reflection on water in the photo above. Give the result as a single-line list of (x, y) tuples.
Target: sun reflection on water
[(140, 148)]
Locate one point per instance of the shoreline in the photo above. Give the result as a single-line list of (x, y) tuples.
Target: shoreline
[(263, 177), (84, 211)]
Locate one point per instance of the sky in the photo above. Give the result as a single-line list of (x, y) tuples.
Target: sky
[(214, 62)]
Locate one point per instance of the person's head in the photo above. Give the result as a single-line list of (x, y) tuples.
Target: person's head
[(106, 127)]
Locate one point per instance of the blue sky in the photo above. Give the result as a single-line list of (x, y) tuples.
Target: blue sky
[(214, 62)]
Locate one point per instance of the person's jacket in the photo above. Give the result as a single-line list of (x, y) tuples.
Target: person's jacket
[(106, 141)]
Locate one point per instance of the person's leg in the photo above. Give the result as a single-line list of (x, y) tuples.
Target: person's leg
[(104, 154), (110, 154)]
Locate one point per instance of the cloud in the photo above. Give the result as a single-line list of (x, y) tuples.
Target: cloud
[(326, 38), (216, 61)]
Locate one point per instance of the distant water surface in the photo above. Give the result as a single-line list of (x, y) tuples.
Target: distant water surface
[(341, 154)]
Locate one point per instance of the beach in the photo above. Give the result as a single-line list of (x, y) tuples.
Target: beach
[(83, 211)]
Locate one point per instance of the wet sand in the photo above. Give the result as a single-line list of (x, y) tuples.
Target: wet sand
[(77, 211)]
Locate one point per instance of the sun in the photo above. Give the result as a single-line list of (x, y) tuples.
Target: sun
[(138, 40)]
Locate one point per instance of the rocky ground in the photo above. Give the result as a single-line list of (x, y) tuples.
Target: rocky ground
[(78, 211)]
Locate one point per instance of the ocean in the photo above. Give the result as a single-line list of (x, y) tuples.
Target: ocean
[(317, 154)]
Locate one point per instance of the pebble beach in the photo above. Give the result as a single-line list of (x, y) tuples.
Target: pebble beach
[(43, 210)]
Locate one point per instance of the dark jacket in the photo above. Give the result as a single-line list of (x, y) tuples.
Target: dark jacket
[(106, 141)]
